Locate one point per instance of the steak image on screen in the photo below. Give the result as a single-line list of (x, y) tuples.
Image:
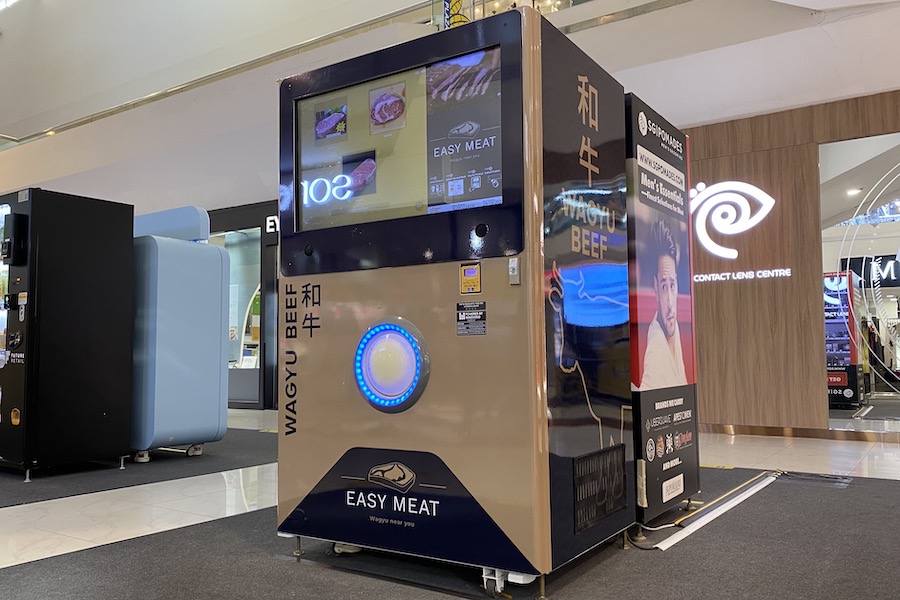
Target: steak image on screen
[(331, 118), (362, 175), (386, 108)]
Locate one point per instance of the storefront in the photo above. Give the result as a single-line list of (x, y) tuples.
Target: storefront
[(759, 209), (251, 239)]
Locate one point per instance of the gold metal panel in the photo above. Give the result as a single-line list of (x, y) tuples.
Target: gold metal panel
[(476, 414), (533, 203)]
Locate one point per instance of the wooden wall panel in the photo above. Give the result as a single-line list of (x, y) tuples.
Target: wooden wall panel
[(760, 343), (856, 118), (820, 124)]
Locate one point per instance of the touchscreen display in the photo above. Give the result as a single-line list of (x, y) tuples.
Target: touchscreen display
[(419, 142)]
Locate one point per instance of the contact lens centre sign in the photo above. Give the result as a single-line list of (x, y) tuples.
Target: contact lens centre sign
[(742, 275), (725, 208)]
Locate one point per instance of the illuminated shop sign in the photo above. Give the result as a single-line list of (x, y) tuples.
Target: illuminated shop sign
[(742, 275), (881, 270), (726, 209)]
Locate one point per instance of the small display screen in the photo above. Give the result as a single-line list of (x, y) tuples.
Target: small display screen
[(471, 272), (420, 142)]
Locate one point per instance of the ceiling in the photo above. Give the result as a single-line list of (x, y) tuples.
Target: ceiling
[(858, 176), (695, 61), (705, 61)]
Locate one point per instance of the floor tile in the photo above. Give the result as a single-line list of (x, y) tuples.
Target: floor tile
[(734, 456), (823, 464), (876, 425), (217, 506), (831, 445), (30, 544), (117, 526), (258, 420), (165, 491), (749, 441)]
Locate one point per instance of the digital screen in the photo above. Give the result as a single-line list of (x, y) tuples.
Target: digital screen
[(471, 272), (420, 142)]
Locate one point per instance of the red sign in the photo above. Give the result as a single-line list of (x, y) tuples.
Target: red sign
[(837, 379)]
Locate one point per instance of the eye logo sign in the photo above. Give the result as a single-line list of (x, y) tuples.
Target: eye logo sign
[(726, 207), (642, 123)]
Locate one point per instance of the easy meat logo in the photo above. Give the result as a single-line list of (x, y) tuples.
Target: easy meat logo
[(394, 475), (466, 129)]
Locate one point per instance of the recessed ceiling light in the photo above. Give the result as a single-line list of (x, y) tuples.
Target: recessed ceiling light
[(854, 192)]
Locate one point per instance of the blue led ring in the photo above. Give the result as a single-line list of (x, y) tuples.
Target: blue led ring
[(412, 391), (362, 353)]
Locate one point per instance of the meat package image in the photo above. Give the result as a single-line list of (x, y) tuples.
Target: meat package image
[(387, 108), (331, 120)]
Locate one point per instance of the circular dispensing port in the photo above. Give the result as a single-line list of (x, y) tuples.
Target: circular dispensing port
[(392, 365)]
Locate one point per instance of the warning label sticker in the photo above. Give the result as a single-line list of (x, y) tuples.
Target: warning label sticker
[(471, 318)]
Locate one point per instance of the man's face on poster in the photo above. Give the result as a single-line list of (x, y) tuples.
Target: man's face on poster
[(665, 284)]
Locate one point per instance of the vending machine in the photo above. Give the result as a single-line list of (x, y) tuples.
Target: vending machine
[(454, 329), (66, 357)]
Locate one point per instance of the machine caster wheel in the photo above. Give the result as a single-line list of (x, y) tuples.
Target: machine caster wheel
[(142, 456), (195, 450), (339, 549), (490, 586)]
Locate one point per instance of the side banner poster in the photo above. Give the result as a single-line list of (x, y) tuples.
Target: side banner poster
[(663, 375)]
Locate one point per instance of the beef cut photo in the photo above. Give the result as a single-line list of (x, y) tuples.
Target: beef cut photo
[(329, 124), (386, 108), (362, 175)]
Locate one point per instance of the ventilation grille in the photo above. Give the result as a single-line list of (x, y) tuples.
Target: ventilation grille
[(599, 480)]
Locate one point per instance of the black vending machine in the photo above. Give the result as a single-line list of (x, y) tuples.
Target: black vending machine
[(67, 279)]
